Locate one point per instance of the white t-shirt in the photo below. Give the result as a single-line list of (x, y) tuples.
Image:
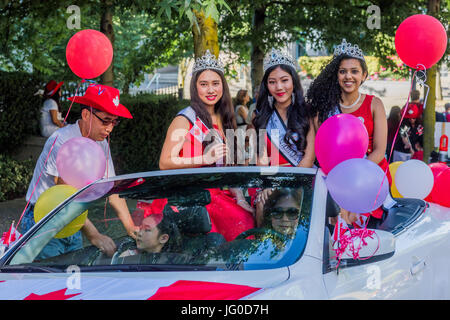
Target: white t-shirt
[(49, 171), (47, 125)]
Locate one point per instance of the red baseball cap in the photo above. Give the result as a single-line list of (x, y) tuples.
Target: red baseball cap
[(103, 98), (51, 87), (412, 112)]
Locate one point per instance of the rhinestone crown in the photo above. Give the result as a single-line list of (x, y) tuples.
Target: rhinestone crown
[(347, 48), (276, 57), (207, 61)]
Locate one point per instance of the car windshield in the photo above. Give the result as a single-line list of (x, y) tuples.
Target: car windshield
[(187, 220)]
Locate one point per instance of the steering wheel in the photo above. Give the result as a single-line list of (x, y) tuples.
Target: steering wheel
[(261, 231), (125, 244)]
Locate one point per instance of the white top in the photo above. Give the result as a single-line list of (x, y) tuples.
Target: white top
[(250, 112), (47, 125), (50, 171)]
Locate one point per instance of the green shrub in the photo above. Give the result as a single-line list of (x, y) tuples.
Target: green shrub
[(314, 65), (14, 177), (19, 108), (136, 143)]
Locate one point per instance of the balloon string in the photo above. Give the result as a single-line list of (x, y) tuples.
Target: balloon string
[(107, 176), (395, 136), (46, 159)]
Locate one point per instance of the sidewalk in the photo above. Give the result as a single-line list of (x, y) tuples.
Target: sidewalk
[(9, 211)]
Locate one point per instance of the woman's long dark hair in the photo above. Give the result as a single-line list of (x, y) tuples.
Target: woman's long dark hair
[(324, 94), (298, 114), (224, 107)]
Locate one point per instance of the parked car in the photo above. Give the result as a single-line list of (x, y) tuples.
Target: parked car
[(406, 258)]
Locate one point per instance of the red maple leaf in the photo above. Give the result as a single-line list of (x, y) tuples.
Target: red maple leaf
[(54, 295)]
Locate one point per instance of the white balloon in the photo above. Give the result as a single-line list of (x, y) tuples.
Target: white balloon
[(414, 179)]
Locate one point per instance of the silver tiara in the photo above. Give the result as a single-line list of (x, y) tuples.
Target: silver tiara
[(347, 48), (276, 57), (207, 61)]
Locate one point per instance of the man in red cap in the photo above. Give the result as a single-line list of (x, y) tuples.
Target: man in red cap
[(100, 112)]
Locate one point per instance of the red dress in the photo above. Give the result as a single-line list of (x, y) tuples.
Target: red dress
[(227, 217), (364, 113)]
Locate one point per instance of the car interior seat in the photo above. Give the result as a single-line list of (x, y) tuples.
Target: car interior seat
[(195, 225)]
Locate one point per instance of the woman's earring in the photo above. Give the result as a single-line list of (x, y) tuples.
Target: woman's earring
[(270, 99), (292, 98)]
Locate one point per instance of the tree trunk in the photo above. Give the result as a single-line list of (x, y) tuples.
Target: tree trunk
[(257, 52), (205, 35), (429, 115), (106, 26)]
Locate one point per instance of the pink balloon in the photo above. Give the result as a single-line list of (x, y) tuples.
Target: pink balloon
[(80, 161), (340, 138), (89, 53), (420, 40)]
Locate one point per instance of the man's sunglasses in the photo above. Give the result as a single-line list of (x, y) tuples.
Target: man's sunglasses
[(291, 213), (114, 122)]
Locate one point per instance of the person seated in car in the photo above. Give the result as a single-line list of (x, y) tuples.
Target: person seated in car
[(282, 210), (157, 233)]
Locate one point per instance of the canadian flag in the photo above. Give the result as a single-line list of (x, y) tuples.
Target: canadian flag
[(8, 238), (198, 131), (339, 229)]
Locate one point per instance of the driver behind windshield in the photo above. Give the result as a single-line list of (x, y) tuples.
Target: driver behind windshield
[(282, 210)]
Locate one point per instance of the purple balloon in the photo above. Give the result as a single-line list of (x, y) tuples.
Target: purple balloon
[(340, 138), (80, 161), (355, 184)]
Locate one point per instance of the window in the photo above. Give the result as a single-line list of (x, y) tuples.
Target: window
[(183, 223)]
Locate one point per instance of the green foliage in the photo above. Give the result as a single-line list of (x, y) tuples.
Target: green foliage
[(19, 108), (314, 65), (14, 177), (136, 143)]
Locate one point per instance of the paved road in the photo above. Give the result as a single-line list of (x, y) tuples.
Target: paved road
[(9, 211)]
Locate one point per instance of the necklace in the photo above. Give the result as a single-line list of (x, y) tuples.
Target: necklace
[(353, 104)]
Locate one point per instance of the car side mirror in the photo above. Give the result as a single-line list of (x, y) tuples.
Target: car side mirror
[(378, 246)]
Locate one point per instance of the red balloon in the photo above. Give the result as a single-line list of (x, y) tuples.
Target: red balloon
[(420, 40), (89, 53), (339, 138), (436, 168), (442, 183)]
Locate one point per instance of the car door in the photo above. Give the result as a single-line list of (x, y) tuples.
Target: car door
[(404, 275)]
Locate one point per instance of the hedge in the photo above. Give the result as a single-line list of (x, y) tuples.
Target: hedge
[(136, 143), (19, 108), (14, 177)]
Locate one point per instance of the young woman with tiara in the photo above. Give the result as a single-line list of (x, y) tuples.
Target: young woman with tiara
[(336, 90), (196, 138), (282, 112)]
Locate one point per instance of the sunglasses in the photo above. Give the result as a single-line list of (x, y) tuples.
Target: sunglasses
[(291, 213), (114, 122)]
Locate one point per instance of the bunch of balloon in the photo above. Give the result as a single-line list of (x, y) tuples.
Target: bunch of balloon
[(356, 184)]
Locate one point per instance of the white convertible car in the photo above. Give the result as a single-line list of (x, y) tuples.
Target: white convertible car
[(290, 255)]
